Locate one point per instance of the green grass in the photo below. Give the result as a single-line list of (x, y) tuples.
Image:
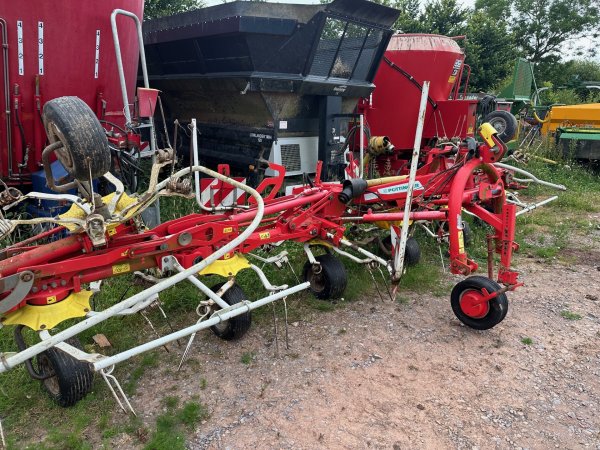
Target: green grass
[(569, 315), (191, 413), (247, 357), (527, 341), (148, 361), (170, 402), (171, 426)]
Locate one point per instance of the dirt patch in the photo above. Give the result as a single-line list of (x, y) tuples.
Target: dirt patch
[(388, 375)]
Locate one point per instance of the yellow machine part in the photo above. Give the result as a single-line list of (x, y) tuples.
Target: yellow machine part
[(48, 316), (75, 212), (586, 115), (379, 144), (379, 181), (227, 267), (486, 131), (385, 225)]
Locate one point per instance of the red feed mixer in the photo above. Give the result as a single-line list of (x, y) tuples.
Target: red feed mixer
[(391, 111)]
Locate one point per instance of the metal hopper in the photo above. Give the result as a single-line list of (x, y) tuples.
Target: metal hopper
[(267, 76)]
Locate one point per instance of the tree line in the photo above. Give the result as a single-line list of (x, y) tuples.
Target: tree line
[(558, 36)]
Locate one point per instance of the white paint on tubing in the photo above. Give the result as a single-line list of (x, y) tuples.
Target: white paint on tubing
[(532, 178), (399, 256), (536, 205)]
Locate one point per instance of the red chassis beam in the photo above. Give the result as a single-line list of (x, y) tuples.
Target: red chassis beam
[(63, 266)]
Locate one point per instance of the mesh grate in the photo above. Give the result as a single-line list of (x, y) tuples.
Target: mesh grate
[(339, 50), (366, 57), (290, 157), (523, 79), (520, 87)]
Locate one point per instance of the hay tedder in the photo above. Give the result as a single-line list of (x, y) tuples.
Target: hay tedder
[(50, 277)]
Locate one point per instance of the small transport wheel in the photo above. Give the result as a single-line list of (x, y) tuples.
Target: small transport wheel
[(412, 254), (84, 145), (327, 280), (237, 326), (505, 124), (465, 299), (72, 378)]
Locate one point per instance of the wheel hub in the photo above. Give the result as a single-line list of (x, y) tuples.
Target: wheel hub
[(317, 281), (472, 305), (499, 125)]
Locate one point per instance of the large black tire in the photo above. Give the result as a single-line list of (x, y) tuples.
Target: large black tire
[(331, 281), (237, 326), (72, 378), (71, 121), (485, 315), (505, 124)]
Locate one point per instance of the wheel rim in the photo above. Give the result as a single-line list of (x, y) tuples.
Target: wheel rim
[(63, 155), (317, 281), (472, 306), (221, 327), (51, 384), (499, 125)]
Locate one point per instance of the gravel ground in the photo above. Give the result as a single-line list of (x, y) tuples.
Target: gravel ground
[(382, 374)]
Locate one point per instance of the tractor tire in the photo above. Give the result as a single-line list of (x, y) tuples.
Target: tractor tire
[(84, 145), (72, 378), (237, 326), (330, 283), (482, 316), (505, 124), (412, 254)]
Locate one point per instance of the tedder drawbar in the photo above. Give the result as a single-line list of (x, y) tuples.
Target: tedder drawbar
[(49, 278)]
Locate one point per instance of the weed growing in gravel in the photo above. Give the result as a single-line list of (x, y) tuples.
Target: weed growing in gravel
[(247, 357), (148, 361), (527, 341), (169, 426), (569, 315), (322, 305), (170, 402), (403, 300), (192, 413)]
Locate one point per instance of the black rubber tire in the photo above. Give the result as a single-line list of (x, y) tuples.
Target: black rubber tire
[(237, 326), (412, 254), (331, 282), (71, 121), (73, 378), (505, 123), (498, 306)]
